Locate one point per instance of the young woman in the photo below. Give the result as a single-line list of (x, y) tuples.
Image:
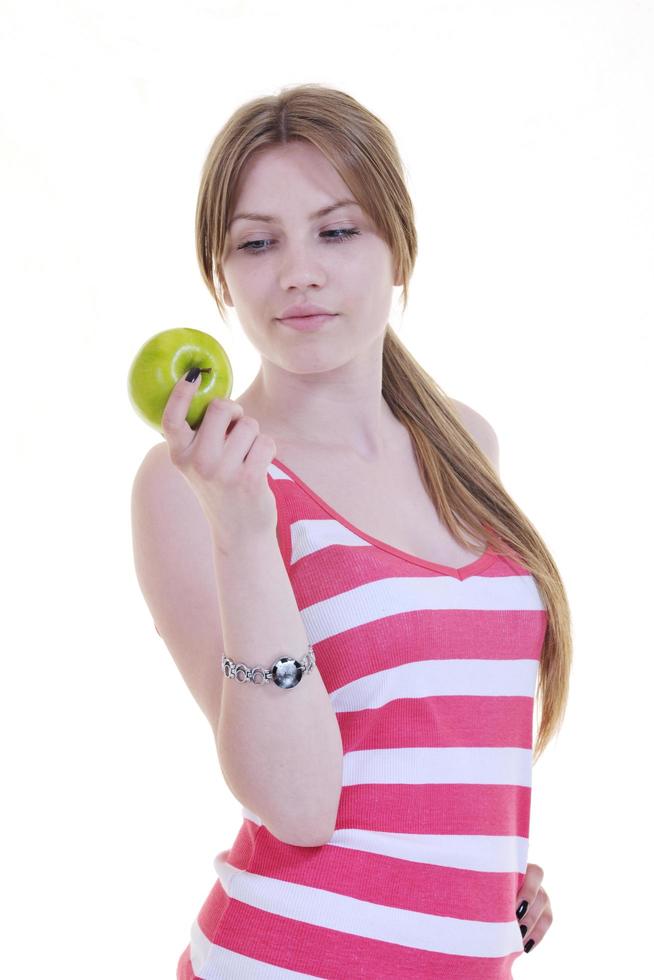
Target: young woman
[(342, 526)]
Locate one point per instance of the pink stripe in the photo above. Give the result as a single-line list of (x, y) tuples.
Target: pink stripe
[(211, 916), (436, 808), (184, 968), (241, 853), (454, 720), (428, 634), (334, 569)]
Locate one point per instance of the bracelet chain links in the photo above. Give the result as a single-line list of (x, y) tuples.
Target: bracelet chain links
[(285, 672)]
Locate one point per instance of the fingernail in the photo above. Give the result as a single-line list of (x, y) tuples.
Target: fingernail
[(193, 374), (523, 930), (522, 908), (529, 945)]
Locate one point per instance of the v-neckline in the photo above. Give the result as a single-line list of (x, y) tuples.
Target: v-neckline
[(477, 565)]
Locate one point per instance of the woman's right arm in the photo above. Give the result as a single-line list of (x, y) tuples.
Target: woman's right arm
[(280, 751)]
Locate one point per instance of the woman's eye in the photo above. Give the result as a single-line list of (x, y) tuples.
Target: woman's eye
[(343, 235)]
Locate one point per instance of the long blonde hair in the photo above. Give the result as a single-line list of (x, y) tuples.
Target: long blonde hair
[(467, 492)]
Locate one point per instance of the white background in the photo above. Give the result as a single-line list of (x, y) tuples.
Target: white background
[(526, 133)]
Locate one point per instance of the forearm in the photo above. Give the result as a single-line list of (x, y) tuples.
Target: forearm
[(280, 750)]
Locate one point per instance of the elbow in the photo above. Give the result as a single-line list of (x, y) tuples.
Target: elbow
[(319, 839), (315, 832), (307, 839)]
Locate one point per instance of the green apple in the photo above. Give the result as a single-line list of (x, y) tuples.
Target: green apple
[(164, 359)]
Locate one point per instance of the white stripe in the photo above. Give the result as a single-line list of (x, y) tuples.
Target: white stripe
[(505, 853), (460, 765), (312, 535), (392, 596), (278, 474), (331, 910), (467, 852), (437, 678)]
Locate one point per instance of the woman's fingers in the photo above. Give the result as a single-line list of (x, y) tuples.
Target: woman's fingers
[(178, 433), (533, 906), (227, 470), (214, 446), (537, 920), (530, 885)]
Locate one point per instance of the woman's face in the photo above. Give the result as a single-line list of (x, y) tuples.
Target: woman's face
[(337, 261)]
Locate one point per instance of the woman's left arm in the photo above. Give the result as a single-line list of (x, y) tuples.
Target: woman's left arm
[(533, 910)]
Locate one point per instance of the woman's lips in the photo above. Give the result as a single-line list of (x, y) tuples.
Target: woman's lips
[(308, 322)]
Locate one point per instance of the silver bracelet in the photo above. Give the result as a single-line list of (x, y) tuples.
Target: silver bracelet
[(285, 672)]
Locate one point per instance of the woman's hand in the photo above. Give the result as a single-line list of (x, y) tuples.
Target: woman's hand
[(227, 471), (533, 903)]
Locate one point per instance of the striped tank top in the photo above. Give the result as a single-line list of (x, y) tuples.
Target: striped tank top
[(431, 672)]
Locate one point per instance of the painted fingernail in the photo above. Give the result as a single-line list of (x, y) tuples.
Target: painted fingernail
[(522, 908), (529, 945), (192, 374), (523, 930)]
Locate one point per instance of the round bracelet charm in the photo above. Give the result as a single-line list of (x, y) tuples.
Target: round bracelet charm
[(287, 672)]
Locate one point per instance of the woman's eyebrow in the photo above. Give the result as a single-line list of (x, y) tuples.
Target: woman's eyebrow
[(253, 216)]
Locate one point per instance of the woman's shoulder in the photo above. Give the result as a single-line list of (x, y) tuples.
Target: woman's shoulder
[(481, 431)]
